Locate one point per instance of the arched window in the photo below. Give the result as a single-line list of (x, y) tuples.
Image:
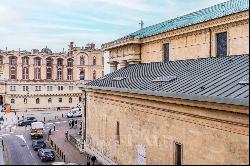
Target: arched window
[(49, 100), (94, 60), (13, 67), (59, 69), (13, 73), (37, 68), (102, 61), (25, 101), (25, 68), (37, 101), (80, 99), (70, 100), (49, 68), (70, 69), (102, 73), (1, 60), (82, 75), (82, 61), (12, 101), (94, 75)]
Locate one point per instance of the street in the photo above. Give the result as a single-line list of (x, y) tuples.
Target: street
[(18, 141)]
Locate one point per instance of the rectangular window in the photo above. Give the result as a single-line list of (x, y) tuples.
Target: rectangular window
[(60, 100), (25, 88), (166, 52), (71, 88), (50, 88), (38, 88), (221, 39), (118, 132), (12, 88), (178, 154)]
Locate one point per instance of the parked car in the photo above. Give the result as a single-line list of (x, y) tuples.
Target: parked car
[(26, 121), (76, 112), (38, 144), (46, 155)]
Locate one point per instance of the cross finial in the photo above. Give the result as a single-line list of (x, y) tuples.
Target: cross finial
[(142, 24)]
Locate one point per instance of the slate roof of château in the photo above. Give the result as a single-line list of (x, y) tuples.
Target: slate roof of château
[(210, 13), (220, 80)]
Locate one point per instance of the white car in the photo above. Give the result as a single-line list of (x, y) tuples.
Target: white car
[(76, 112)]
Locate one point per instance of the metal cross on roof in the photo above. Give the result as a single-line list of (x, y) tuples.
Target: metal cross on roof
[(142, 24)]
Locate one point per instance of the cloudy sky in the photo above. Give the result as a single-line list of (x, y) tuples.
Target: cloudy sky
[(28, 24)]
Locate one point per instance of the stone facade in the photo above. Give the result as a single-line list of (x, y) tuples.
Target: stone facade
[(208, 133), (191, 42), (52, 78)]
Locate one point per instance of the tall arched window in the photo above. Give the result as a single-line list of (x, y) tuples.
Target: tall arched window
[(70, 69), (70, 100), (25, 68), (94, 60), (37, 101), (82, 75), (49, 68), (13, 67), (59, 69), (12, 73), (12, 101), (25, 101), (82, 61), (1, 60), (94, 75), (38, 68)]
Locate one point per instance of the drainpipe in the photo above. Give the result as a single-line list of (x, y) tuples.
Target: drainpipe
[(85, 114), (210, 43)]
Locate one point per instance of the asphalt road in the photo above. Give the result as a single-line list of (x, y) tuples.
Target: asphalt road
[(20, 151)]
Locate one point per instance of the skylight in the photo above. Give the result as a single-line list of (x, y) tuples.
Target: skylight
[(165, 79), (118, 78), (244, 81)]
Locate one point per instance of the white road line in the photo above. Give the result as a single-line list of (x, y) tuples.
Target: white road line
[(22, 137)]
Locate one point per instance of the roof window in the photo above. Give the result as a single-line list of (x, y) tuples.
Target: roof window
[(165, 79), (244, 81)]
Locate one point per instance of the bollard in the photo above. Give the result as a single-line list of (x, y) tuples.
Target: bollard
[(55, 117), (54, 127), (2, 145), (44, 119), (18, 118), (62, 115)]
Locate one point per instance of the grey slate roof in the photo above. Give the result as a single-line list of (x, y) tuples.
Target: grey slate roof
[(213, 80), (217, 11)]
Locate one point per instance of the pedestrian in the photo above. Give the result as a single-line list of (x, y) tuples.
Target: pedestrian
[(66, 135), (76, 124), (72, 125)]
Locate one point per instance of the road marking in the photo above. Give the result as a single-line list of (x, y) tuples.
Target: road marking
[(22, 137)]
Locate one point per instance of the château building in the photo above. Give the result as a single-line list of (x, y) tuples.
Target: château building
[(43, 80), (181, 95)]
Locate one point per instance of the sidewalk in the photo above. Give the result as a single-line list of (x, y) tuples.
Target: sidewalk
[(65, 150)]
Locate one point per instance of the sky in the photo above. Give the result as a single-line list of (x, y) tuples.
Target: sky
[(29, 24)]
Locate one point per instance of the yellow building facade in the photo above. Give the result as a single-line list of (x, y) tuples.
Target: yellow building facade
[(43, 80)]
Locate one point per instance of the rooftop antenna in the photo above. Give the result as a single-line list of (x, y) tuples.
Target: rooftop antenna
[(142, 24)]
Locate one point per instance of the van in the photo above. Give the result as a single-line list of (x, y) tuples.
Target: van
[(37, 129), (76, 112)]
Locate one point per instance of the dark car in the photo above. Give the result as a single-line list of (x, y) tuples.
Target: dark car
[(46, 155), (38, 144), (26, 121)]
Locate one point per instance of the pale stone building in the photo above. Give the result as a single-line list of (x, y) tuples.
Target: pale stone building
[(221, 30), (181, 95), (184, 112), (43, 80)]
